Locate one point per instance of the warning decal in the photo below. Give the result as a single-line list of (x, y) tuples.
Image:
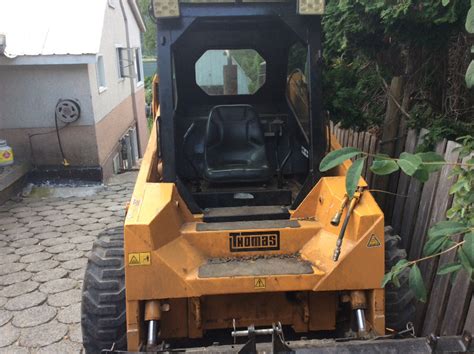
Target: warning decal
[(259, 283), (373, 241), (142, 258)]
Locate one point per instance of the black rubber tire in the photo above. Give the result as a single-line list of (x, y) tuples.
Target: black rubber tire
[(103, 315), (399, 302)]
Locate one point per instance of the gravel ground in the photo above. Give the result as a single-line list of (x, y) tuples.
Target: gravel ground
[(44, 245)]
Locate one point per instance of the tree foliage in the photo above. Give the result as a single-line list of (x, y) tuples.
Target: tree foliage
[(367, 41)]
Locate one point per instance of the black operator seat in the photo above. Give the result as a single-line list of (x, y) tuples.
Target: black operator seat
[(235, 146)]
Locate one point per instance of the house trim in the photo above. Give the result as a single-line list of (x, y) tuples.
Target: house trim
[(69, 59)]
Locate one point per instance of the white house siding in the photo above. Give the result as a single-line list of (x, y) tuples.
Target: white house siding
[(28, 94), (113, 36)]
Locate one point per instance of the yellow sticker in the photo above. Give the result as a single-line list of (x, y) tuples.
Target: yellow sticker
[(142, 258), (259, 283), (373, 241)]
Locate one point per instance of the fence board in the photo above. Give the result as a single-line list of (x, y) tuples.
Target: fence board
[(458, 305), (440, 205), (366, 148), (373, 147), (438, 306), (424, 210), (469, 324), (403, 184)]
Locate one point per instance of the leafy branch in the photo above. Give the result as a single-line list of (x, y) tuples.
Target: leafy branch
[(440, 236)]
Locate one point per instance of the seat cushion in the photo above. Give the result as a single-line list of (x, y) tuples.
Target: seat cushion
[(234, 146)]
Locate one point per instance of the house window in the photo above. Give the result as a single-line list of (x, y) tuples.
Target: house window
[(138, 65), (100, 67), (122, 62)]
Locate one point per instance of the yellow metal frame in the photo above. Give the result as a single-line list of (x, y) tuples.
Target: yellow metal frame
[(159, 224)]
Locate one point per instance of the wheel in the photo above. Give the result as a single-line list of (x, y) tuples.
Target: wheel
[(103, 295), (399, 302)]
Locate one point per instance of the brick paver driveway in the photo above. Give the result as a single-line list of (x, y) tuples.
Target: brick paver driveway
[(44, 244)]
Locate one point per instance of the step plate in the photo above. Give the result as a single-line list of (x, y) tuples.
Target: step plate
[(246, 213), (255, 266)]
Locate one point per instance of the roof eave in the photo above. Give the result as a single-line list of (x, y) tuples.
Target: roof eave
[(54, 59)]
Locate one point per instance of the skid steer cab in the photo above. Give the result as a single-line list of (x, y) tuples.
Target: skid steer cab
[(233, 240)]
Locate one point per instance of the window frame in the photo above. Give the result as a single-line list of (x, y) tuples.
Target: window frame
[(138, 63), (100, 72)]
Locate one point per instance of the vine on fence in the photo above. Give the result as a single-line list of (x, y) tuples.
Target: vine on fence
[(454, 234)]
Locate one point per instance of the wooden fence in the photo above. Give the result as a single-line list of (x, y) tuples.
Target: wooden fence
[(450, 306)]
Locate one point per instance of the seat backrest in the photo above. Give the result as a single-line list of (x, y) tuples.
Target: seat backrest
[(234, 125)]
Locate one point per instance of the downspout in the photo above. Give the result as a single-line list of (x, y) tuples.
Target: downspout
[(129, 58)]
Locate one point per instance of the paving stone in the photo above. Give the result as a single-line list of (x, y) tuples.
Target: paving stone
[(61, 222), (70, 314), (14, 349), (13, 278), (103, 214), (77, 274), (79, 215), (41, 208), (9, 220), (11, 268), (54, 241), (48, 212), (75, 333), (70, 228), (21, 236), (63, 347), (34, 316), (25, 301), (67, 206), (85, 221), (115, 225), (40, 223), (42, 265), (19, 288), (5, 316), (65, 298), (3, 301), (50, 274), (9, 335), (70, 211), (48, 234), (24, 242), (30, 219), (58, 285), (74, 264), (6, 250), (9, 259), (61, 248), (42, 230), (6, 228), (29, 250), (66, 256), (35, 257), (24, 214), (82, 239), (3, 243), (84, 246), (43, 335), (21, 209)]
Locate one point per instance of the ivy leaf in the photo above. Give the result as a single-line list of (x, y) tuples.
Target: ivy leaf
[(465, 261), (353, 176), (337, 157), (433, 246), (422, 175), (432, 162), (446, 228), (416, 283), (470, 72), (445, 2), (470, 20), (384, 167), (409, 163), (386, 279), (449, 268), (468, 247)]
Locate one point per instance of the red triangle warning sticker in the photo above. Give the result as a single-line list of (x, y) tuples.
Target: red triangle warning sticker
[(373, 241)]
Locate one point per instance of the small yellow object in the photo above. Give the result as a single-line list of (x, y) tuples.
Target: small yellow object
[(139, 259), (260, 283), (66, 163)]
